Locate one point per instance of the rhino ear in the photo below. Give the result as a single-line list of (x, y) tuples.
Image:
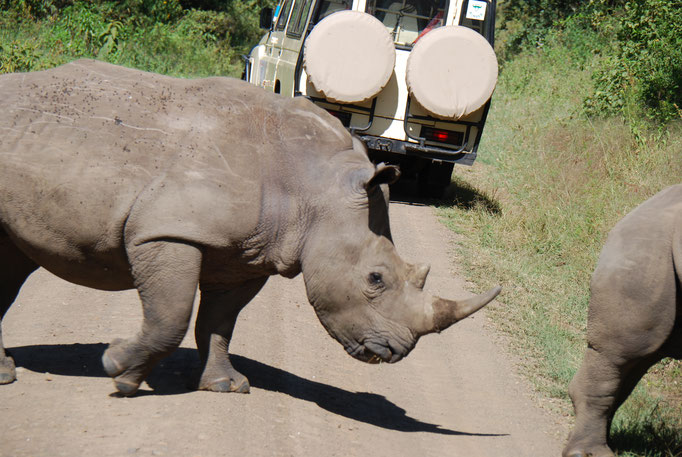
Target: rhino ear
[(383, 174), (364, 180)]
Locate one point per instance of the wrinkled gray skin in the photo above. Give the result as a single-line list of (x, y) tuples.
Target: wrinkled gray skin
[(634, 318), (115, 179)]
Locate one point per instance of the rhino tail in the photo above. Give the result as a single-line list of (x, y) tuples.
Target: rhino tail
[(677, 250)]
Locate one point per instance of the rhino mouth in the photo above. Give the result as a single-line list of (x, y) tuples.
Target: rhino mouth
[(377, 352)]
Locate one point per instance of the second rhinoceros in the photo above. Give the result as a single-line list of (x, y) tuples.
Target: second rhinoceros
[(114, 178), (634, 318)]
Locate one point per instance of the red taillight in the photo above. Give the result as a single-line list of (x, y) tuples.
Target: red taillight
[(442, 136)]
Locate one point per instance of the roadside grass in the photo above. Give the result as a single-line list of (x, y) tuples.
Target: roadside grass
[(194, 44), (534, 212)]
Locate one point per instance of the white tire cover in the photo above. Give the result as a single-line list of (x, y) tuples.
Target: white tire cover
[(349, 56), (451, 71)]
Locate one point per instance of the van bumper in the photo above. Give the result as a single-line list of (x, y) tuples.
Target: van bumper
[(407, 148)]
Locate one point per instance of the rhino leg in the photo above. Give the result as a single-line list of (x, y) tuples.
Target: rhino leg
[(15, 267), (599, 387), (216, 319), (166, 275)]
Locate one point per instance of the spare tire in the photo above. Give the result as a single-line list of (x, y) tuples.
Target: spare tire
[(451, 72), (349, 56)]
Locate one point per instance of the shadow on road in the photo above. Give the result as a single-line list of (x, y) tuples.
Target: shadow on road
[(178, 374), (459, 193), (364, 407)]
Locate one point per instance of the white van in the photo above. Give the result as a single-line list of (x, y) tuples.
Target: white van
[(411, 78)]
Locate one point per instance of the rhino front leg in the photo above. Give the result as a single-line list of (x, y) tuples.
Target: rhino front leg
[(166, 275), (15, 267), (216, 319)]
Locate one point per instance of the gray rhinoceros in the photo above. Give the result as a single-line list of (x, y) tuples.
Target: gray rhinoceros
[(634, 318), (114, 178)]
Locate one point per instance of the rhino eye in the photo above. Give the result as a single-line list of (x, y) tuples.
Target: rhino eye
[(375, 279)]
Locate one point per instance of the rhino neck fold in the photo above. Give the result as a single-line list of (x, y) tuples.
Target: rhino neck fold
[(282, 229)]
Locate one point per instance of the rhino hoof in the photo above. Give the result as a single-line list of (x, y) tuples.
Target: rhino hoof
[(8, 373), (7, 378), (228, 385), (126, 389), (601, 452)]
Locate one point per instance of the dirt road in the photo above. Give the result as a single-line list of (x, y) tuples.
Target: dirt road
[(457, 394)]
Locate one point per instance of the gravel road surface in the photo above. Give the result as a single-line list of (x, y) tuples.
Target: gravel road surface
[(457, 394)]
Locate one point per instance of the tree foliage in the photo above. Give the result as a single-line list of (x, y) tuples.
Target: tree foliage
[(190, 38), (638, 44), (645, 70), (526, 22)]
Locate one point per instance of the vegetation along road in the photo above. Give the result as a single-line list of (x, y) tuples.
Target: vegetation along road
[(457, 394)]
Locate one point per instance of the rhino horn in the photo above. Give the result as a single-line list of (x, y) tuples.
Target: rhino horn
[(447, 312)]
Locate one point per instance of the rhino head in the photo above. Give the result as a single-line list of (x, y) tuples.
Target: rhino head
[(364, 294)]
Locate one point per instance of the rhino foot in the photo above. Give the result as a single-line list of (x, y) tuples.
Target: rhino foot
[(126, 388), (239, 385), (587, 451), (599, 453), (123, 363), (8, 373)]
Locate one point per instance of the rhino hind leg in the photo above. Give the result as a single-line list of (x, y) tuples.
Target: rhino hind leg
[(15, 267), (216, 319), (166, 275), (597, 390)]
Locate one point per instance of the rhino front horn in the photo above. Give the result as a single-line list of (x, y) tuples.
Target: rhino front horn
[(447, 312)]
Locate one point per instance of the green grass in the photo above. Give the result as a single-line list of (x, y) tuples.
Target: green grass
[(533, 214)]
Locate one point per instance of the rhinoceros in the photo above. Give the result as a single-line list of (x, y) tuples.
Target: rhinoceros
[(634, 317), (114, 178)]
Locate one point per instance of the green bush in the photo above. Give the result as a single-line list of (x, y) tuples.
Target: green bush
[(35, 9), (169, 36), (145, 12), (525, 23), (17, 56), (643, 77), (640, 49), (80, 27)]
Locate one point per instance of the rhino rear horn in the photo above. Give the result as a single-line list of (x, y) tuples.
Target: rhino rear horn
[(417, 275)]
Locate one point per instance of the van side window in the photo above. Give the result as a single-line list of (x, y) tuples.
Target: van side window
[(283, 15), (328, 7), (299, 16), (408, 20)]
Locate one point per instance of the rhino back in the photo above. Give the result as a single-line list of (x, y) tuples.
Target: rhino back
[(86, 144)]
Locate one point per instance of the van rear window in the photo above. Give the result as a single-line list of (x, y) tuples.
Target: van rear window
[(408, 20), (328, 7)]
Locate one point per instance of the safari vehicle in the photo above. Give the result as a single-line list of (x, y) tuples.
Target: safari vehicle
[(411, 78)]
